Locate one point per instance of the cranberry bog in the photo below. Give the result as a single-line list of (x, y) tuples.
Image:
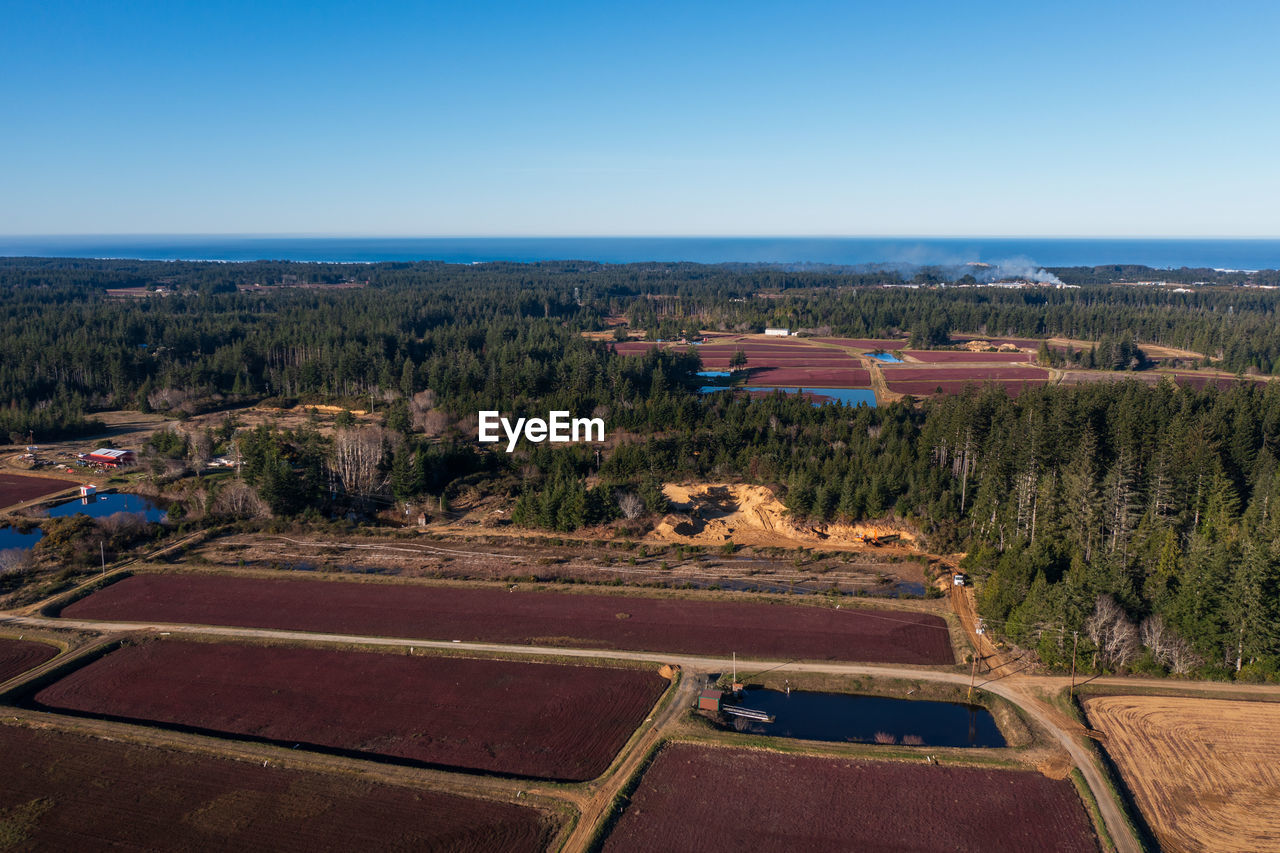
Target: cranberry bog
[(961, 374), (15, 488), (494, 614), (65, 791), (18, 656), (693, 798), (849, 377), (510, 718), (962, 357), (922, 388)]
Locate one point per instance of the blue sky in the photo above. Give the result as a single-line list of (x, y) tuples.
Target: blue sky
[(484, 118)]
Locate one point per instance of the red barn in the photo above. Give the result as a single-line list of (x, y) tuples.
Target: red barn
[(111, 458)]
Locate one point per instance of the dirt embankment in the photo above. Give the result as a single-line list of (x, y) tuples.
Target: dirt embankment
[(717, 513)]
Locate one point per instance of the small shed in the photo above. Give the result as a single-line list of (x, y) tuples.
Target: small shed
[(709, 700), (88, 491)]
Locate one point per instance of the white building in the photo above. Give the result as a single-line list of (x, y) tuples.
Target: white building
[(781, 333)]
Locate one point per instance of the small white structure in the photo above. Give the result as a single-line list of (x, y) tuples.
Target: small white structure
[(780, 333), (958, 580), (88, 490)]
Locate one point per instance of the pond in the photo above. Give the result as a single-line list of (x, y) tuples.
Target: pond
[(712, 374), (98, 506), (843, 717), (888, 358)]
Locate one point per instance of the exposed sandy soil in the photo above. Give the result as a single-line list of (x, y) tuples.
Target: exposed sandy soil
[(1204, 772), (716, 513)]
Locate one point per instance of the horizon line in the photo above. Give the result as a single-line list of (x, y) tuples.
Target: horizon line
[(314, 235)]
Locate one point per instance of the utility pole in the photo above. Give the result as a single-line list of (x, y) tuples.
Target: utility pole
[(972, 675), (1075, 641), (102, 554)]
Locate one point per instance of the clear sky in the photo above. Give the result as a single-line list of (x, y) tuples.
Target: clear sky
[(601, 118)]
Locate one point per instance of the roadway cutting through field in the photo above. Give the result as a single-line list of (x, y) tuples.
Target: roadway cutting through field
[(1023, 691)]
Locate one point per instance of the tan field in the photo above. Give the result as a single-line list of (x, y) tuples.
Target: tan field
[(1204, 772)]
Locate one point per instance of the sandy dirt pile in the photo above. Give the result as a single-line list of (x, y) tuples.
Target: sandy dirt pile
[(716, 513)]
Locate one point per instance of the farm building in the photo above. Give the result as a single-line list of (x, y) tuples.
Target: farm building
[(780, 333), (709, 700), (111, 458)]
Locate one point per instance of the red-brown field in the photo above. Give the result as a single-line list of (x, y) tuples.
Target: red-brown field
[(697, 799), (954, 356), (973, 374), (63, 791), (818, 377), (18, 656), (15, 488), (922, 388), (540, 618), (547, 721)]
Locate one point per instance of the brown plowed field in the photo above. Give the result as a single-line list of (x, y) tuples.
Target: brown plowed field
[(15, 488), (1204, 772), (697, 798), (18, 656), (63, 791), (538, 618), (547, 721)]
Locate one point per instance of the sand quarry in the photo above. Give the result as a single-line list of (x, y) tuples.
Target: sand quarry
[(716, 513)]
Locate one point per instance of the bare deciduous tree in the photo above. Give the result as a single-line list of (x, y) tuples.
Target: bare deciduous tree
[(238, 500), (1167, 647), (1112, 632), (424, 414), (630, 504), (357, 460)]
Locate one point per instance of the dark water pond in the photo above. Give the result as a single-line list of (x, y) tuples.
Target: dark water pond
[(844, 717), (98, 506)]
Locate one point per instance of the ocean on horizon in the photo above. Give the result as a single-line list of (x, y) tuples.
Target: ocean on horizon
[(1167, 253)]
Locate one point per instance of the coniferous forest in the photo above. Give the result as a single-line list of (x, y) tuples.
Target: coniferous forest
[(1141, 516)]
